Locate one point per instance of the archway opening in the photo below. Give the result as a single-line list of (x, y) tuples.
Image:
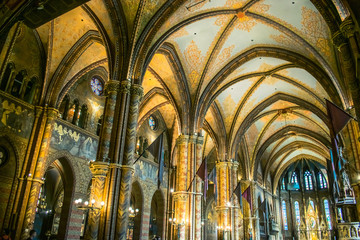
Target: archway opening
[(157, 215), (55, 200), (135, 210)]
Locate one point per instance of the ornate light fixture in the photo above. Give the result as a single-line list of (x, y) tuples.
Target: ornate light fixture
[(133, 212), (86, 206)]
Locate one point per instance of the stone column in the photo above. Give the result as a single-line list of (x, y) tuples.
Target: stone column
[(114, 147), (127, 169), (198, 188), (181, 196), (101, 166), (223, 209), (235, 221), (34, 182)]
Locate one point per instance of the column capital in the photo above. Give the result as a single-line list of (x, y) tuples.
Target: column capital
[(338, 39), (99, 168), (137, 89), (181, 196), (347, 27), (112, 87), (182, 139), (52, 113)]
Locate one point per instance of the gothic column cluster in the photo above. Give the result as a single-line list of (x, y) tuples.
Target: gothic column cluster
[(188, 209)]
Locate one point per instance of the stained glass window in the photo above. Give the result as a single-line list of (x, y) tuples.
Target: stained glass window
[(327, 213), (340, 216), (284, 215), (308, 180), (283, 184), (96, 86), (322, 181), (297, 212), (294, 178), (152, 123)]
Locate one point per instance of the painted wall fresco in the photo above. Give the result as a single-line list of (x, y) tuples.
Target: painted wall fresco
[(78, 144), (16, 117), (147, 171)]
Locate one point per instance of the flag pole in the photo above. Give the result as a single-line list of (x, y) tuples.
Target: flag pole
[(147, 148)]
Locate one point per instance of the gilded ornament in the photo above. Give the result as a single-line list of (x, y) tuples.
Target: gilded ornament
[(338, 39)]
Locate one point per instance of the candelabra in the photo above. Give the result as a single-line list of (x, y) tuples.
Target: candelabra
[(86, 206)]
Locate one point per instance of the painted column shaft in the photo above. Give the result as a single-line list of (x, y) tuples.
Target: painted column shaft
[(199, 189), (40, 169), (127, 168), (98, 169)]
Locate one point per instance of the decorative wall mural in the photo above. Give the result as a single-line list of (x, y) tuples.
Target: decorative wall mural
[(16, 117), (64, 137), (149, 171)]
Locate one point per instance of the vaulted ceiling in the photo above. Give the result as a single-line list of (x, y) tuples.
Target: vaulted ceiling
[(254, 74)]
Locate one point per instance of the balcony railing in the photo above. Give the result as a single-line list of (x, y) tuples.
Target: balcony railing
[(350, 230)]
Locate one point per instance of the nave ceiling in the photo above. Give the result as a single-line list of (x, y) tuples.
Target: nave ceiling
[(253, 74)]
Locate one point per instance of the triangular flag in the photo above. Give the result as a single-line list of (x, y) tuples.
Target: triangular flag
[(202, 171), (262, 206), (247, 195), (338, 117), (237, 192)]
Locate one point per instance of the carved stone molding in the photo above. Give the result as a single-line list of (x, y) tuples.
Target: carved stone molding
[(338, 39), (348, 28)]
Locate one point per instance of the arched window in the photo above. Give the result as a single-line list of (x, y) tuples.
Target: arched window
[(30, 90), (283, 186), (327, 213), (308, 180), (64, 107), (82, 117), (98, 127), (322, 181), (7, 76), (297, 212), (284, 215), (17, 84), (294, 178)]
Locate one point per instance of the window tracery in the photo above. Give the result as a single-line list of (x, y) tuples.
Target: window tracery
[(308, 180)]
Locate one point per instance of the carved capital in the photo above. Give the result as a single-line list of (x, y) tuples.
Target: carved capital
[(180, 196), (52, 113), (223, 164), (339, 39), (137, 90), (182, 139), (200, 140), (192, 139), (99, 168), (112, 87), (348, 28), (125, 86)]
